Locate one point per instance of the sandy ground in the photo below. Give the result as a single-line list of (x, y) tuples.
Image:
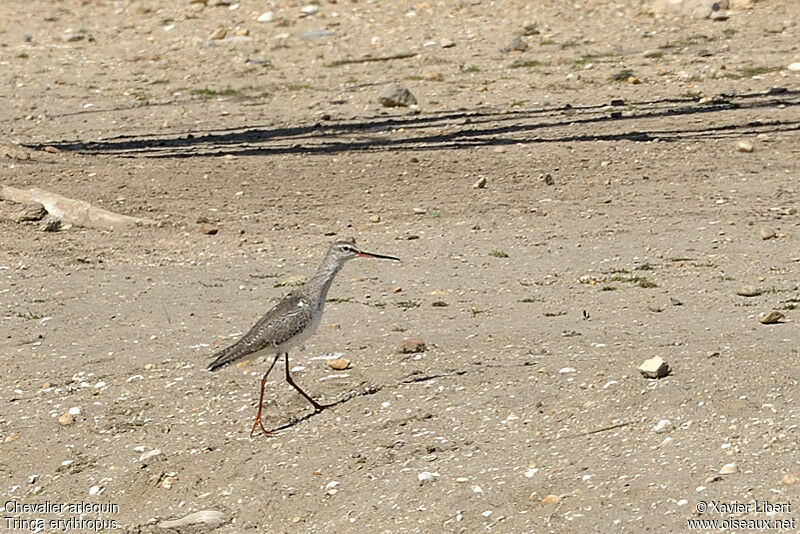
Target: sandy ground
[(604, 235)]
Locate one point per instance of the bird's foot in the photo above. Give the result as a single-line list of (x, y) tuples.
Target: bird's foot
[(256, 424)]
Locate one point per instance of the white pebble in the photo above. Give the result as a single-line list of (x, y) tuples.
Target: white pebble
[(75, 410), (96, 490), (665, 425), (427, 476)]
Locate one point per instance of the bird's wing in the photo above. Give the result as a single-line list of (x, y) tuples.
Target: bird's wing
[(284, 321)]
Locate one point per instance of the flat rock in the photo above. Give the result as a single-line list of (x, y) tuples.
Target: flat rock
[(411, 345), (397, 95), (772, 317), (30, 212), (208, 517), (517, 44), (655, 367), (207, 229), (748, 291)]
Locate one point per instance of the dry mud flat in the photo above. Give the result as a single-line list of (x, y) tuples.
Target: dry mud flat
[(624, 187)]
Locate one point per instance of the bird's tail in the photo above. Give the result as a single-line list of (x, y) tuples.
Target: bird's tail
[(224, 357)]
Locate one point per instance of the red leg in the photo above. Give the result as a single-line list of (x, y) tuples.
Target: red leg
[(257, 422), (317, 406)]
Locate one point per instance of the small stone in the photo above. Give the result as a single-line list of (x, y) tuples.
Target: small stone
[(66, 419), (530, 28), (675, 302), (633, 80), (168, 482), (447, 43), (426, 476), (10, 438), (209, 517), (411, 345), (748, 291), (772, 317), (296, 519), (728, 469), (419, 211), (655, 367), (149, 455), (338, 364), (219, 33), (397, 96), (242, 32), (767, 233), (71, 37), (51, 223), (794, 67), (75, 411), (665, 425), (208, 229), (267, 16), (480, 184), (547, 178), (702, 12), (309, 10), (550, 499), (744, 146), (653, 53), (720, 15), (517, 44), (790, 479), (96, 490), (374, 218)]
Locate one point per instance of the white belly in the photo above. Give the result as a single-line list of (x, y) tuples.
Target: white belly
[(303, 336)]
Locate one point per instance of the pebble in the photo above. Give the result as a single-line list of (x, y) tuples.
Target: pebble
[(338, 364), (550, 499), (208, 229), (427, 476), (655, 367), (728, 469), (720, 15), (748, 291), (665, 425), (267, 16), (75, 411), (209, 517), (653, 53), (517, 44), (547, 178), (411, 345), (308, 10), (51, 223), (219, 33), (447, 43), (767, 233), (374, 218), (790, 479), (744, 146), (770, 318), (168, 482), (150, 455), (794, 67), (397, 95), (66, 419), (480, 184), (702, 12), (330, 487), (96, 490)]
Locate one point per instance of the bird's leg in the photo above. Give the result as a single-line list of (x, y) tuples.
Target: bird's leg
[(257, 422), (317, 406)]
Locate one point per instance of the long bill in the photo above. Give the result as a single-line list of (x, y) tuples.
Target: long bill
[(378, 256)]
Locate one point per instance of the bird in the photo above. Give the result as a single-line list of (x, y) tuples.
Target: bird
[(291, 322)]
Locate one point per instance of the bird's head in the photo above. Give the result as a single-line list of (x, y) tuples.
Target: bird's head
[(347, 250)]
